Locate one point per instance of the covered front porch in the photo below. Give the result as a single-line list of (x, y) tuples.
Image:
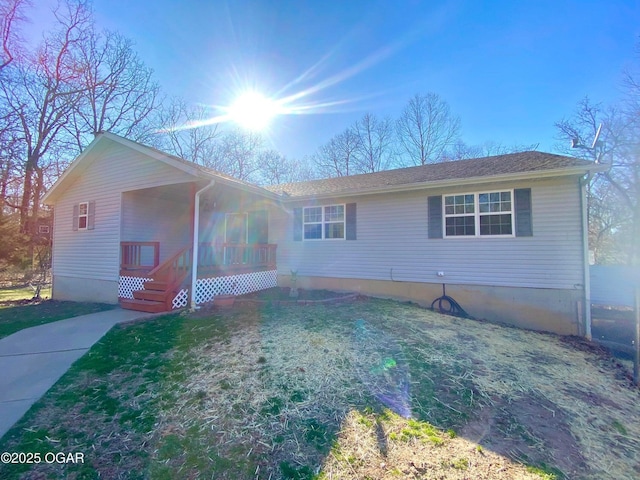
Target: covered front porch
[(233, 253)]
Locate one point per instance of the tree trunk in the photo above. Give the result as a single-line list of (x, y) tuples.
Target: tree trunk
[(3, 189), (27, 188)]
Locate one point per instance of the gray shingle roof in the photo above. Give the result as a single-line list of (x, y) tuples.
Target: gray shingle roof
[(495, 166)]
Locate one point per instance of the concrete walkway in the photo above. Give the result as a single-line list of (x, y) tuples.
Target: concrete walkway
[(33, 359)]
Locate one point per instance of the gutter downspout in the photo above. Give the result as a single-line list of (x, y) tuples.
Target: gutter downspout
[(196, 232), (583, 182)]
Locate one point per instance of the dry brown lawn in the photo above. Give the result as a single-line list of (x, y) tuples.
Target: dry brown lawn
[(366, 389), (299, 387)]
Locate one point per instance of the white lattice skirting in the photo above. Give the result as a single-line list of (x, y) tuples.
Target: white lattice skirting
[(181, 299), (208, 288), (128, 285)]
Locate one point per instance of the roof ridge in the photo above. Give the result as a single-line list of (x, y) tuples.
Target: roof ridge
[(516, 163)]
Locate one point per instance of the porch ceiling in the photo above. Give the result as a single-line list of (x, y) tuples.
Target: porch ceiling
[(178, 192)]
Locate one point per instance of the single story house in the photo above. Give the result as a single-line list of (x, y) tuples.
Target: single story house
[(506, 234)]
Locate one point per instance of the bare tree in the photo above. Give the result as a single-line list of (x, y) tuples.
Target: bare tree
[(614, 195), (186, 133), (236, 154), (41, 94), (375, 143), (338, 157), (275, 169), (73, 85), (119, 93), (11, 15), (461, 150), (426, 128)]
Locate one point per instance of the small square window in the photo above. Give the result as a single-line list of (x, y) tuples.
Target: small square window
[(312, 214), (334, 230), (43, 229), (313, 231)]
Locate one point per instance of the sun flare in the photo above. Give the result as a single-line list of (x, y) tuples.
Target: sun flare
[(253, 111)]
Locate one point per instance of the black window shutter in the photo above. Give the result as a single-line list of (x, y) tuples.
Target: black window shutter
[(258, 227), (435, 216), (91, 216), (350, 218), (76, 214), (297, 224), (522, 204)]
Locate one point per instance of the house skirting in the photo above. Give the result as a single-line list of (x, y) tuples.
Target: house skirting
[(78, 289), (543, 309), (240, 284), (208, 287)]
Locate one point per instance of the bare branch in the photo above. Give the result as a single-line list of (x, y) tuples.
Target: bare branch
[(426, 128)]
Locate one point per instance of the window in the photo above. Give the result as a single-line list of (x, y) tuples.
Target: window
[(83, 215), (479, 214), (326, 222)]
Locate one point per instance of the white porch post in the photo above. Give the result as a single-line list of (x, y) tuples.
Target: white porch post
[(196, 232), (583, 182)]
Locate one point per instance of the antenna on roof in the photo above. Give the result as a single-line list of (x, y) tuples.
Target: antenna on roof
[(575, 143), (595, 139)]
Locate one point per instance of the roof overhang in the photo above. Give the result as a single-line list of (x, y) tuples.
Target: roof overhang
[(80, 164)]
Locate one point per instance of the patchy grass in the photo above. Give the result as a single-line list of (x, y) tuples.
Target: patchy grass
[(15, 316), (282, 294), (14, 294), (319, 392)]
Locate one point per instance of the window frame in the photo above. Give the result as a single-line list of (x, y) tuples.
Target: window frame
[(83, 215), (477, 214), (324, 222)]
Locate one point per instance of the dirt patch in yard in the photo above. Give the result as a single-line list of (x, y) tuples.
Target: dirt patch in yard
[(532, 430), (282, 296)]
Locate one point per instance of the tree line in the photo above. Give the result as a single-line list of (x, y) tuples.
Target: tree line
[(55, 96)]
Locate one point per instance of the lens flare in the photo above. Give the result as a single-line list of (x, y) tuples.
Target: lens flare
[(385, 373), (253, 111)]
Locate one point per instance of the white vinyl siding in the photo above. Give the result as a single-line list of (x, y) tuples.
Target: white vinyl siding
[(393, 243), (111, 170), (149, 219)]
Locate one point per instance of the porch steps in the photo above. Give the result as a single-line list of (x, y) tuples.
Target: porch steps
[(150, 306), (151, 295), (154, 297), (156, 286)]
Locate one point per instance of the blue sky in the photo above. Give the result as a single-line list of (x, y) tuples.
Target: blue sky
[(509, 69)]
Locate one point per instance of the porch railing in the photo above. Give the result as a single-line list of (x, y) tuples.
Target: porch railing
[(174, 269), (236, 255), (212, 258), (139, 257)]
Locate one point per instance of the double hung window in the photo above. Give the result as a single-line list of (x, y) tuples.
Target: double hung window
[(479, 214), (324, 223)]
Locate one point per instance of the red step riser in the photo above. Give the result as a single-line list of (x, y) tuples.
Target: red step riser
[(156, 286), (154, 295), (143, 306)]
